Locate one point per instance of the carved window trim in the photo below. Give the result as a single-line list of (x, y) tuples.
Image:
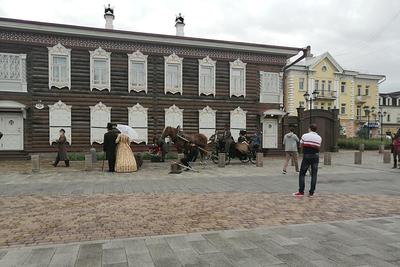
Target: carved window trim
[(234, 128), (207, 62), (208, 131), (21, 61), (173, 60), (100, 54), (241, 66), (137, 57), (142, 111), (98, 107), (174, 110), (55, 127), (54, 51)]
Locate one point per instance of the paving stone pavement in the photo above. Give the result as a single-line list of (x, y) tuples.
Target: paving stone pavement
[(366, 242)]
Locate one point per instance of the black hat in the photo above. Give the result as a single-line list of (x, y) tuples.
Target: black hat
[(109, 126)]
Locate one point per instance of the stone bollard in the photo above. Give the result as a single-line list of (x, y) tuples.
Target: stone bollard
[(357, 157), (327, 158), (221, 160), (94, 155), (361, 147), (259, 160), (175, 168), (381, 149), (386, 157), (35, 160), (88, 162)]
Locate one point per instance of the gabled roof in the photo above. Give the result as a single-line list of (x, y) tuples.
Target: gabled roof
[(311, 62)]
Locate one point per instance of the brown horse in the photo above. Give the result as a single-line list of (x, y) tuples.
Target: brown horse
[(181, 139)]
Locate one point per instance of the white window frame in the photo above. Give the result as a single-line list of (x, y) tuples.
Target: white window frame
[(12, 84), (235, 130), (98, 135), (207, 62), (175, 111), (240, 65), (341, 109), (135, 112), (54, 51), (270, 80), (55, 125), (389, 101), (100, 54), (137, 57), (203, 128), (302, 82), (381, 103), (173, 60)]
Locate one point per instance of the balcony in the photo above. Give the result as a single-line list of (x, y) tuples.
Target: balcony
[(362, 99), (327, 95)]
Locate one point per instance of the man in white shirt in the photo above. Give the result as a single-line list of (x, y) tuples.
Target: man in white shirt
[(311, 143)]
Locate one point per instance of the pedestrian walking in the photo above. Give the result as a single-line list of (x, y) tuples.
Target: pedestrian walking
[(62, 149), (110, 146), (396, 149), (311, 143), (290, 141)]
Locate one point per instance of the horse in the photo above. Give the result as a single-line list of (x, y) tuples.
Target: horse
[(181, 140)]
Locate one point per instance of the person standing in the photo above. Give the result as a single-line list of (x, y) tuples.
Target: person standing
[(290, 141), (396, 149), (109, 145), (311, 143), (125, 160), (62, 149)]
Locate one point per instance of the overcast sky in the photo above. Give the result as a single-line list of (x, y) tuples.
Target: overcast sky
[(363, 35)]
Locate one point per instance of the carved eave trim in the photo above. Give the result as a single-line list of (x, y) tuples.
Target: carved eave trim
[(137, 56), (100, 53)]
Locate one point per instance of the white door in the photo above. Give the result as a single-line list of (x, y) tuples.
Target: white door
[(12, 127), (270, 133)]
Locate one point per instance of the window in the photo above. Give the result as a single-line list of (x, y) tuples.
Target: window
[(207, 121), (398, 101), (389, 101), (329, 106), (207, 76), (381, 102), (137, 67), (367, 90), (358, 113), (59, 66), (329, 85), (359, 90), (238, 122), (301, 104), (301, 84), (13, 72), (100, 115), (322, 105), (316, 85), (59, 118), (137, 119), (173, 74), (237, 78), (270, 87), (388, 117), (343, 87), (100, 70), (323, 85), (343, 109), (174, 117)]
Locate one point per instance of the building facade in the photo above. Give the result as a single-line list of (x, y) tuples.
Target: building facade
[(55, 76), (389, 108), (349, 91)]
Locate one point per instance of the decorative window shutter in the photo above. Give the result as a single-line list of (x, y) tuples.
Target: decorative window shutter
[(100, 115), (59, 118), (138, 119)]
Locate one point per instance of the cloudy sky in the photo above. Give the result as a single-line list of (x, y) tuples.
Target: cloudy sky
[(363, 35)]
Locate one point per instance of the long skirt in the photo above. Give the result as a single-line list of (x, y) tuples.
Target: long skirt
[(125, 160)]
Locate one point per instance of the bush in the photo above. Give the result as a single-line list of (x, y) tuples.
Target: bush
[(354, 143)]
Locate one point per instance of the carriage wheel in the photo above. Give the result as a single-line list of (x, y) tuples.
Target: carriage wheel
[(214, 157), (245, 159)]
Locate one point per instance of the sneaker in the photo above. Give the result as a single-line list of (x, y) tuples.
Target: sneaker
[(298, 194), (310, 194), (284, 172)]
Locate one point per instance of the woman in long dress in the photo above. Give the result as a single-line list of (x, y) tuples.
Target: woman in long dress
[(125, 160)]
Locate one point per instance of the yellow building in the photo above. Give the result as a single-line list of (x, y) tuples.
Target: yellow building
[(349, 91)]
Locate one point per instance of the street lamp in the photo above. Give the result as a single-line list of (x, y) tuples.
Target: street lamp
[(368, 111), (381, 115), (311, 98)]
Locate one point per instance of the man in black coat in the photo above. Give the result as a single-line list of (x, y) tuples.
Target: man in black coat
[(109, 146)]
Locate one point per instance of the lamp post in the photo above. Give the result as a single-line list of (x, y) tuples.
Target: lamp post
[(381, 114), (310, 99), (368, 111)]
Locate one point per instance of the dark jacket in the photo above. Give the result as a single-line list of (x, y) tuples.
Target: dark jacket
[(109, 145), (62, 148), (1, 135)]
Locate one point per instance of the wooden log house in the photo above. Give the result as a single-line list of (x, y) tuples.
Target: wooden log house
[(55, 76)]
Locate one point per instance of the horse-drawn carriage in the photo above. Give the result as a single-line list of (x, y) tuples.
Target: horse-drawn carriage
[(193, 145)]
